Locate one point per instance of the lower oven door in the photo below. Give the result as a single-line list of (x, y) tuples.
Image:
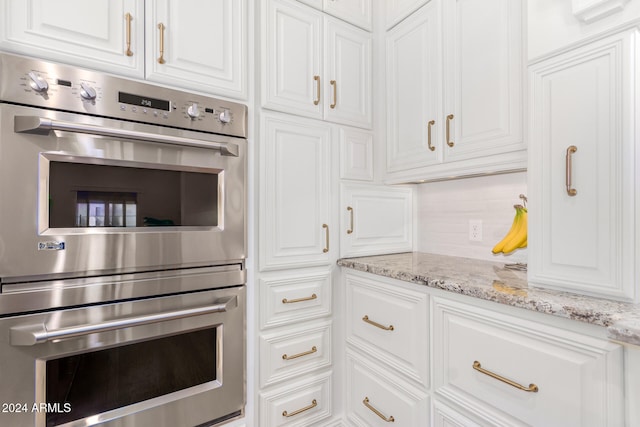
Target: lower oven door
[(166, 361)]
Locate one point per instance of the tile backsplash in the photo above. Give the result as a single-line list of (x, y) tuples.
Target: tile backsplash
[(446, 207)]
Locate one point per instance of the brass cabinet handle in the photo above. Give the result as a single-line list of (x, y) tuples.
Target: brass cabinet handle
[(335, 94), (317, 80), (449, 142), (128, 18), (570, 150), (431, 123), (314, 403), (532, 387), (350, 210), (291, 301), (388, 419), (161, 27), (376, 324), (305, 353), (326, 236)]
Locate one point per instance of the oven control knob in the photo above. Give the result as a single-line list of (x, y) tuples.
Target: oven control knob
[(193, 111), (225, 116), (38, 83), (87, 92)]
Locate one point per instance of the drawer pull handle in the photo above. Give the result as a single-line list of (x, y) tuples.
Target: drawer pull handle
[(388, 419), (335, 94), (317, 80), (128, 18), (570, 190), (314, 403), (431, 123), (292, 301), (532, 387), (304, 353), (350, 230), (450, 143), (161, 27), (376, 324), (326, 238)]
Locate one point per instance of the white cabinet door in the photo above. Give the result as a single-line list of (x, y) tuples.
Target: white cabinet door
[(585, 98), (347, 75), (295, 202), (375, 220), (483, 77), (88, 34), (202, 45), (291, 59), (414, 91), (356, 154), (357, 12), (397, 10)]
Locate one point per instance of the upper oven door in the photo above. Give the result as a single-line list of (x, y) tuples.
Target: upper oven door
[(81, 195)]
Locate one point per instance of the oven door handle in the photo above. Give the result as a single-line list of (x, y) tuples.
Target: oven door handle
[(27, 335), (43, 126)]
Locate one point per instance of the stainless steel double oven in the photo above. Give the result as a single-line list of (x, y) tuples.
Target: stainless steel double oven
[(122, 251)]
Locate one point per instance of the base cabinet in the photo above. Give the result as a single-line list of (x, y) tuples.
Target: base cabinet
[(484, 364)]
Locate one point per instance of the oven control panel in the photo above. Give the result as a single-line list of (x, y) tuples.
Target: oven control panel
[(62, 87)]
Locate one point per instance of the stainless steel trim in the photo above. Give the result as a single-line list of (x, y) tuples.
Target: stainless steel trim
[(36, 334), (43, 126)]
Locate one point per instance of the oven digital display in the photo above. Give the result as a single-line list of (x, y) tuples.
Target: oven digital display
[(143, 101)]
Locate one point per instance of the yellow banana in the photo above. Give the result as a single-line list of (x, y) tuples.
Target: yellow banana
[(515, 226), (519, 239)]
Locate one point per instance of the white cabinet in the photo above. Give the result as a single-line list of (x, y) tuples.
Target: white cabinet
[(356, 154), (202, 45), (375, 219), (515, 372), (94, 34), (454, 85), (397, 10), (314, 65), (295, 195), (356, 12), (583, 170), (196, 44)]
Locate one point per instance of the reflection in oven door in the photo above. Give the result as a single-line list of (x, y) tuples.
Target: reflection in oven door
[(163, 361)]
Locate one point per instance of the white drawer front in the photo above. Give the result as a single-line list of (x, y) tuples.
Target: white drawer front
[(297, 404), (404, 343), (291, 298), (376, 399), (285, 355), (578, 378)]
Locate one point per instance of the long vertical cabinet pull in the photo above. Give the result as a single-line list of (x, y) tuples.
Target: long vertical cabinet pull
[(569, 163), (335, 94), (431, 123), (317, 80), (161, 27), (449, 142), (350, 210), (326, 236), (128, 18)]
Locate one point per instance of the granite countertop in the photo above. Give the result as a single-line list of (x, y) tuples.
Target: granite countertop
[(493, 282)]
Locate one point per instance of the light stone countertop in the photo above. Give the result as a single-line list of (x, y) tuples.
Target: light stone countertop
[(493, 282)]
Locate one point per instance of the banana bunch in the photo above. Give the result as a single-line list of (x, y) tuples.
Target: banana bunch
[(517, 236)]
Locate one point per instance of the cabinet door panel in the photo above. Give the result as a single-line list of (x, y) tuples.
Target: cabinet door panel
[(397, 10), (204, 45), (87, 34), (414, 91), (292, 45), (348, 64), (357, 12), (583, 98), (295, 201), (483, 77)]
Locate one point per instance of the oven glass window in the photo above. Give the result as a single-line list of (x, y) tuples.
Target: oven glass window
[(85, 196), (96, 382)]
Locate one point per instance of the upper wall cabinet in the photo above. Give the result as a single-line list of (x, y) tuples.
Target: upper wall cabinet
[(454, 91), (314, 65), (357, 12), (196, 44), (583, 173)]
